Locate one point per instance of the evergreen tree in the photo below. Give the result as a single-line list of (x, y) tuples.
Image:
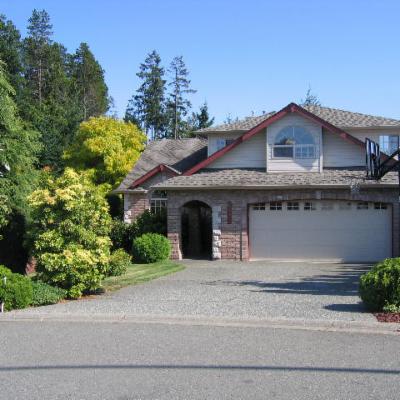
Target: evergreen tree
[(88, 83), (199, 120), (203, 118), (147, 106), (178, 105), (10, 51), (230, 120), (18, 149), (46, 100), (311, 99), (36, 51)]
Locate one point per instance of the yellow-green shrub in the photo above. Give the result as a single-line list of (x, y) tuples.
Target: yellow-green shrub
[(70, 233)]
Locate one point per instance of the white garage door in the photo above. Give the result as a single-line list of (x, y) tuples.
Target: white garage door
[(321, 230)]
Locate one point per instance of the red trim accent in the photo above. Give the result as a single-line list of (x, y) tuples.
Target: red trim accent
[(151, 173), (290, 108)]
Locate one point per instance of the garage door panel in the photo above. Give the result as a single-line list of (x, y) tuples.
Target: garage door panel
[(337, 234)]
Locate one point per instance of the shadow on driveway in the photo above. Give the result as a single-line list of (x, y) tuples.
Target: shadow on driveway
[(343, 281)]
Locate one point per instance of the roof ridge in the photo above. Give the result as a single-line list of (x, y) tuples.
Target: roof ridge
[(351, 112)]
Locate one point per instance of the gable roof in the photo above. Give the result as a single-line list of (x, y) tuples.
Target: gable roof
[(290, 108), (177, 155), (340, 118)]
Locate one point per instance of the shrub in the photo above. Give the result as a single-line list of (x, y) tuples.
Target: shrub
[(151, 247), (4, 272), (123, 234), (119, 263), (380, 287), (150, 222), (71, 233), (44, 294), (16, 292)]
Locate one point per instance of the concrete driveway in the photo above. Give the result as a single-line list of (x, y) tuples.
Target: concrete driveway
[(241, 290)]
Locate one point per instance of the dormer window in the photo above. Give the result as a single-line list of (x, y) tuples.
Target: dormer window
[(221, 143), (294, 142)]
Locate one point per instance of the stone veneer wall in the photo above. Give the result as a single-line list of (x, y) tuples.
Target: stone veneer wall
[(230, 240), (134, 205)]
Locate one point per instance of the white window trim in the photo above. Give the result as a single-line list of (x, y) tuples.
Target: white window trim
[(158, 201), (294, 147), (221, 143)]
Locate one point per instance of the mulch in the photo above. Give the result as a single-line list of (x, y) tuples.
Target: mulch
[(388, 317)]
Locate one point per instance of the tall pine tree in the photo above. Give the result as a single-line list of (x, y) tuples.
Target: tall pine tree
[(88, 83), (147, 106), (46, 101), (37, 46), (178, 104)]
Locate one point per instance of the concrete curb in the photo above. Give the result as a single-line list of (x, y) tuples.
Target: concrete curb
[(200, 320)]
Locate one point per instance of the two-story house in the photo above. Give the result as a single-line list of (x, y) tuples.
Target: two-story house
[(287, 185)]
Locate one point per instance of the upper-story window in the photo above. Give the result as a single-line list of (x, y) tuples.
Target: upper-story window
[(294, 142), (389, 143), (221, 143)]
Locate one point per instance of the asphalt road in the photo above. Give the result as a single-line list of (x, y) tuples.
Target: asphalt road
[(125, 360)]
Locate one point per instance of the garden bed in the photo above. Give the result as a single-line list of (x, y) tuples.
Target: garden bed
[(388, 317)]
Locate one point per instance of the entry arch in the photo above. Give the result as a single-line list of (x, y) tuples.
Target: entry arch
[(196, 230)]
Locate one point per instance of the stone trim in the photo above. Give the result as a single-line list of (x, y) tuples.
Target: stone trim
[(134, 205)]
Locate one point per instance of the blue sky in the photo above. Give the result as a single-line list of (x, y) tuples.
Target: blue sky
[(243, 56)]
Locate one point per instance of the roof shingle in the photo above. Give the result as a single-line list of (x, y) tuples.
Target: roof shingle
[(339, 118), (239, 178), (179, 154)]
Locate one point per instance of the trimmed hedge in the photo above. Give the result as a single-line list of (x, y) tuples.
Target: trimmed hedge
[(151, 247), (119, 263), (16, 292), (44, 294), (380, 287)]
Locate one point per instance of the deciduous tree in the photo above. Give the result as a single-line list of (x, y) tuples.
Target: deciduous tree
[(10, 51), (107, 146)]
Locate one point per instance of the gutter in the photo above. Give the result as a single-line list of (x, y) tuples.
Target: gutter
[(278, 187), (126, 191)]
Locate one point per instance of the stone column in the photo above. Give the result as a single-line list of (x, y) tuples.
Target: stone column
[(216, 232)]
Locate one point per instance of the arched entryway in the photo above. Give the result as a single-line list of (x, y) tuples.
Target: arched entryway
[(196, 224)]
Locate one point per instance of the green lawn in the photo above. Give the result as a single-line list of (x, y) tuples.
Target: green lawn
[(139, 273)]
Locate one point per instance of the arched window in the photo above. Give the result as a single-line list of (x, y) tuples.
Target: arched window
[(294, 142), (158, 201)]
